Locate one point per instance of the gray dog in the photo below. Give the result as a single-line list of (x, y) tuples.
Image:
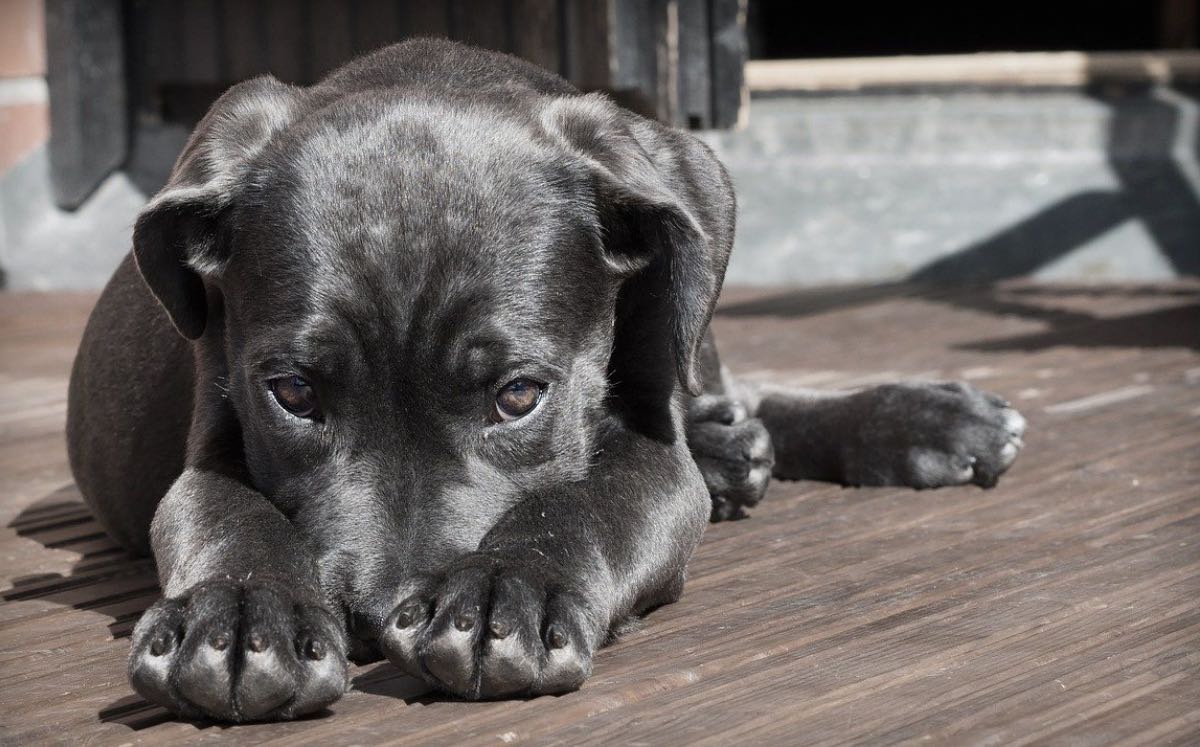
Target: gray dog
[(415, 363)]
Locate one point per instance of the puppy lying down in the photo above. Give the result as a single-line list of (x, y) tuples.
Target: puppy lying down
[(415, 363)]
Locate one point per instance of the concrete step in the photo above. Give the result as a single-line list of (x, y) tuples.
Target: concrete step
[(1064, 184)]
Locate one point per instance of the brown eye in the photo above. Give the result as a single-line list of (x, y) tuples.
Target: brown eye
[(295, 395), (517, 398)]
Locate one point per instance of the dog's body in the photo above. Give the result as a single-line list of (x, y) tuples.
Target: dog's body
[(434, 381)]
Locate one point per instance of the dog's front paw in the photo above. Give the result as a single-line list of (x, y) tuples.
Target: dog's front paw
[(239, 652), (493, 629), (734, 454), (929, 435)]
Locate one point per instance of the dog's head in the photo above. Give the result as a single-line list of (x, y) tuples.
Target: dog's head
[(432, 300)]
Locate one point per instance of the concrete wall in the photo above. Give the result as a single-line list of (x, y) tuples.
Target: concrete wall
[(24, 116), (24, 119), (966, 186)]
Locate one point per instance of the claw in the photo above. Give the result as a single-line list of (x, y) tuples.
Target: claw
[(464, 621)]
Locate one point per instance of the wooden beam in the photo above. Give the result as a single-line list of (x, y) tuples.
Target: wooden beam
[(1031, 69), (332, 35), (86, 77), (666, 50), (241, 24), (729, 91), (588, 33), (483, 23), (1178, 24), (376, 23), (695, 65), (633, 63), (535, 26)]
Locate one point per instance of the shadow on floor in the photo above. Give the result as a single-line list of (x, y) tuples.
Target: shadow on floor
[(1177, 327), (1175, 324), (106, 579)]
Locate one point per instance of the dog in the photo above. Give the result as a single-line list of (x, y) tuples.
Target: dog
[(414, 363)]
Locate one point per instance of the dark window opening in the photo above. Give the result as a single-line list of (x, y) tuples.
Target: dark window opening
[(786, 29)]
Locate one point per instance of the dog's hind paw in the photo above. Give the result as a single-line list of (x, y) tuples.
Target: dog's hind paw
[(930, 435), (734, 454), (493, 628), (239, 652)]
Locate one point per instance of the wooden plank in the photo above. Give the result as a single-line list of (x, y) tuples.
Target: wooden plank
[(633, 54), (331, 34), (138, 38), (376, 24), (695, 69), (200, 50), (242, 24), (587, 32), (423, 18), (535, 28), (666, 50), (731, 96), (285, 32), (86, 77), (1178, 23), (164, 34), (484, 23), (1009, 69)]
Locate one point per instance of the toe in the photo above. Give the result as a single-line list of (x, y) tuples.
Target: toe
[(1008, 453), (265, 682), (321, 648), (935, 468), (568, 659), (269, 670), (204, 675), (449, 651), (204, 669), (155, 643), (402, 634), (1014, 422), (716, 409), (724, 509), (449, 657), (511, 647)]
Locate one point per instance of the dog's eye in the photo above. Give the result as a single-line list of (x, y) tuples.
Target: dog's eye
[(516, 399), (295, 395)]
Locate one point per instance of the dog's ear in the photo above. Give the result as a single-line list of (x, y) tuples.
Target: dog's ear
[(177, 239), (665, 208)]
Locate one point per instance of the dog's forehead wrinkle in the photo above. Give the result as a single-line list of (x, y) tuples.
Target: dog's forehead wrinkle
[(443, 300), (409, 172)]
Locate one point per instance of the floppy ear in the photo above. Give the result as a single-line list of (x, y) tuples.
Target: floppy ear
[(666, 210), (177, 240)]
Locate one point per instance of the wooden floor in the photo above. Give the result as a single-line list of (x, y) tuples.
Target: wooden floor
[(1062, 607)]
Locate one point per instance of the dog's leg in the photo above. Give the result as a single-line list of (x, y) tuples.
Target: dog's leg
[(524, 613), (732, 449), (243, 632), (915, 434)]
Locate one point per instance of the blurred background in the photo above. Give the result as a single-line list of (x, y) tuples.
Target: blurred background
[(870, 143)]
